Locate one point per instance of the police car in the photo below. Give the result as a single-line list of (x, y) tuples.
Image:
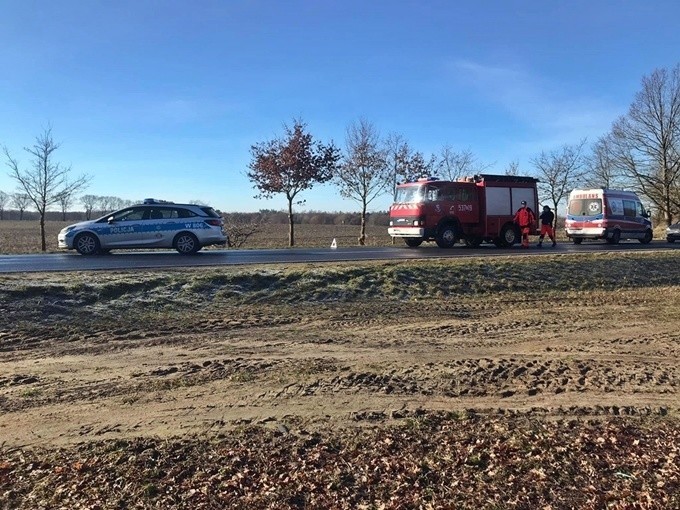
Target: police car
[(154, 224)]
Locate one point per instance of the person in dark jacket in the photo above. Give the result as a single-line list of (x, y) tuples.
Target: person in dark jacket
[(547, 217), (525, 219)]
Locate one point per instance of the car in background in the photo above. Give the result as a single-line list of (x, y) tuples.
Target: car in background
[(673, 233), (153, 224)]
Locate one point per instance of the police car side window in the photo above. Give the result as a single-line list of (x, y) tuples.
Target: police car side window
[(184, 213), (135, 214)]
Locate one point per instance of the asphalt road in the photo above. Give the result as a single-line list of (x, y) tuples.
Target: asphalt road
[(71, 261)]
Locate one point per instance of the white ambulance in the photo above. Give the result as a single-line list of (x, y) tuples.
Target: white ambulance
[(607, 214)]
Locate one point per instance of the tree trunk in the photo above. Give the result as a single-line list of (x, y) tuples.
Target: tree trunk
[(42, 231), (291, 225), (362, 236)]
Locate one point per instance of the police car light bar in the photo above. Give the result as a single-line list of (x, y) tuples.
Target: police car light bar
[(156, 201)]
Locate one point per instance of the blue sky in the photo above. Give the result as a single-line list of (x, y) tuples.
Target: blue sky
[(164, 98)]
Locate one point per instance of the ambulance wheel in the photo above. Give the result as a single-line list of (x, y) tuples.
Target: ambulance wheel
[(615, 238), (473, 241), (186, 243), (413, 242), (648, 237), (509, 235), (446, 237), (577, 240), (86, 243)]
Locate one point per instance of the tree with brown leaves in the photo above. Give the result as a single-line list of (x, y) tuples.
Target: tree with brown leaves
[(290, 165)]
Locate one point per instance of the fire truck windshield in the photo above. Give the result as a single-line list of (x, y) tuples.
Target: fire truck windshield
[(410, 195)]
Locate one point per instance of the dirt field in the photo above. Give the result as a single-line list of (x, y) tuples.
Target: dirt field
[(440, 384)]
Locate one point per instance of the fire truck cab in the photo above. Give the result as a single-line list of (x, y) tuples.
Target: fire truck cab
[(473, 210)]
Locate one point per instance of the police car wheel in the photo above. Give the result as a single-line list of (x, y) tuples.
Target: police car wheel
[(86, 244), (186, 243)]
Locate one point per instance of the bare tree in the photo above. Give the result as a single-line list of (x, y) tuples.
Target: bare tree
[(105, 204), (397, 154), (65, 200), (89, 203), (512, 168), (602, 170), (4, 200), (240, 231), (46, 180), (558, 172), (453, 164), (363, 174), (291, 165), (646, 141), (21, 201), (116, 203), (418, 166)]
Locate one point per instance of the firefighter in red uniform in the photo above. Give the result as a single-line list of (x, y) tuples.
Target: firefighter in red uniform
[(525, 218)]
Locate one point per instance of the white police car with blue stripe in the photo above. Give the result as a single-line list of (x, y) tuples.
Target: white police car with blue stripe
[(154, 224)]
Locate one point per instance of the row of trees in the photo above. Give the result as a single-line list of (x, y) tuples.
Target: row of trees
[(368, 167), (17, 201), (640, 152)]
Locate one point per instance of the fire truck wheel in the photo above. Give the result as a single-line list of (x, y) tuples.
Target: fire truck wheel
[(577, 240), (509, 235), (446, 237), (473, 241), (413, 242)]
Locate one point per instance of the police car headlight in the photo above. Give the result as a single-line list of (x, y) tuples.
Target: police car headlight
[(66, 230)]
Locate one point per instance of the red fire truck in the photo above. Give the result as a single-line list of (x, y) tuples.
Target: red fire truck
[(472, 210)]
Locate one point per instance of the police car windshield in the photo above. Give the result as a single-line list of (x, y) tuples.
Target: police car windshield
[(585, 207), (410, 195)]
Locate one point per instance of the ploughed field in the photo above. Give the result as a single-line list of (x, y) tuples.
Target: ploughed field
[(507, 383)]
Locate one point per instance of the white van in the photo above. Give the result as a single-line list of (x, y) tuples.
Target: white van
[(607, 214)]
